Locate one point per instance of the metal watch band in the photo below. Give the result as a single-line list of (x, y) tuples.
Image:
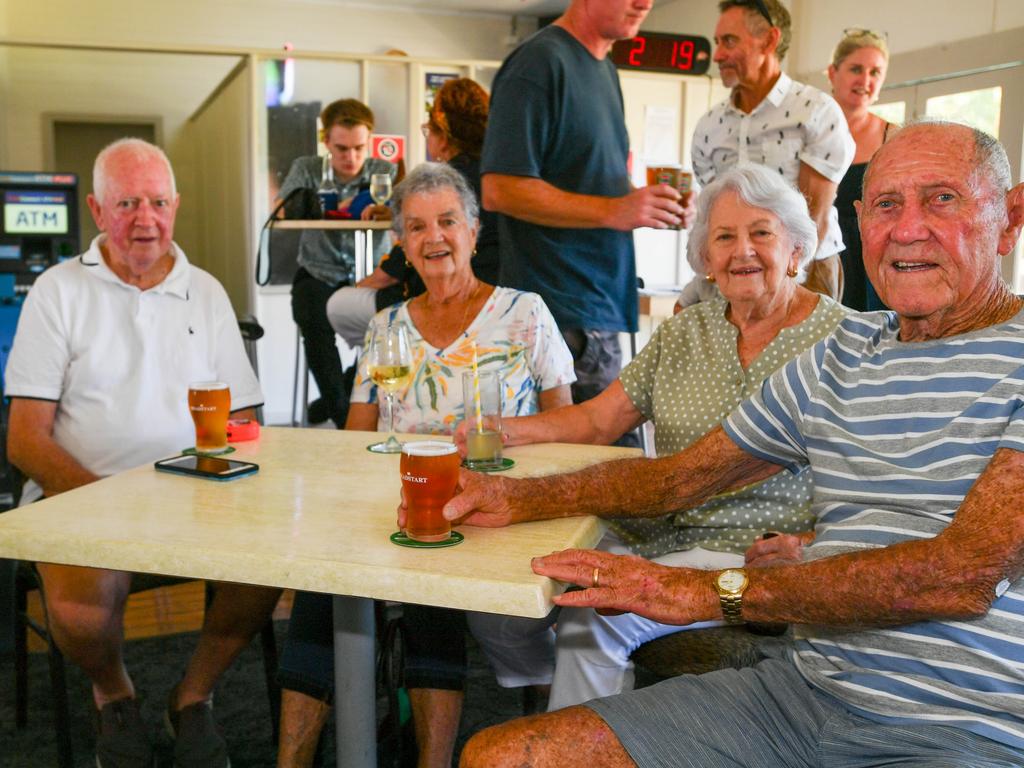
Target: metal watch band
[(732, 608)]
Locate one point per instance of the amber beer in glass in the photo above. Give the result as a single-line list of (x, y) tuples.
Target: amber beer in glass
[(209, 402), (430, 471)]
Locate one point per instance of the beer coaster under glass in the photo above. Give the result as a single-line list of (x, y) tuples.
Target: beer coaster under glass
[(399, 538), (193, 452), (506, 463)]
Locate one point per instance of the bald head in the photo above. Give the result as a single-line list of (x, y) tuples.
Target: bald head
[(989, 160), (130, 149)]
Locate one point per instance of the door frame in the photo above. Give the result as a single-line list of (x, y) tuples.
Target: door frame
[(51, 118)]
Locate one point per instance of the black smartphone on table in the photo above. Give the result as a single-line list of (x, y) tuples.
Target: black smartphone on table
[(209, 467)]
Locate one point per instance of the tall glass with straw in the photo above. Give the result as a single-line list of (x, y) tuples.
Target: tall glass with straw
[(389, 359), (482, 400)]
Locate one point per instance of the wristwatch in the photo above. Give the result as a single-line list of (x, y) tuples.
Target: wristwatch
[(731, 584)]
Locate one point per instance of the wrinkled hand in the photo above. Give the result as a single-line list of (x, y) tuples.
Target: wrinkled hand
[(376, 213), (655, 206), (630, 583), (777, 550), (483, 501)]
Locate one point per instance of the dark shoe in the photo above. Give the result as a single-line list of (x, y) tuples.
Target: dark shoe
[(317, 412), (121, 738), (197, 742)]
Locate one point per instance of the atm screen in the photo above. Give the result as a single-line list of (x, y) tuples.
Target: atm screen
[(35, 212)]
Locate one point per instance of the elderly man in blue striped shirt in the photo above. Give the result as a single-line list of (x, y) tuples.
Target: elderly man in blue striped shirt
[(909, 605)]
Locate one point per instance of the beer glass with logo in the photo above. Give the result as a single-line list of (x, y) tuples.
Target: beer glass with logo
[(210, 403), (430, 472), (675, 177), (481, 396)]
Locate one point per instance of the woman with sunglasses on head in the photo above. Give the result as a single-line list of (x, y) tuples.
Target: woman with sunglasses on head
[(857, 73)]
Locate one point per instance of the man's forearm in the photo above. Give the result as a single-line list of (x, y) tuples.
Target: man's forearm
[(644, 487), (50, 466), (538, 202), (953, 575)]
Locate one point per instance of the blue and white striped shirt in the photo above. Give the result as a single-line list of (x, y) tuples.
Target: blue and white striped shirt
[(895, 435)]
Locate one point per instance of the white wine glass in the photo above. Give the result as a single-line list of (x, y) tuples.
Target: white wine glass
[(389, 360), (380, 187)]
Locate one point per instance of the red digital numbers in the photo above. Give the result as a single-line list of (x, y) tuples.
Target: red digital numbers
[(682, 54), (639, 45)]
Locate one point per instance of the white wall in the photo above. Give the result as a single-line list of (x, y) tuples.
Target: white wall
[(910, 24), (307, 24)]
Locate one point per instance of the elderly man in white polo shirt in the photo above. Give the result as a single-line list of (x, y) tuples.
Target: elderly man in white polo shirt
[(98, 379), (769, 119)]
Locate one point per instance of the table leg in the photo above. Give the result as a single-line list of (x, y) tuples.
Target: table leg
[(355, 701)]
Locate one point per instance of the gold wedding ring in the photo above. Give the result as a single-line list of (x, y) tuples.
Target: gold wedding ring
[(597, 580)]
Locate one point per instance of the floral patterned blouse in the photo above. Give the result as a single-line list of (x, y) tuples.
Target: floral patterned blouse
[(514, 333)]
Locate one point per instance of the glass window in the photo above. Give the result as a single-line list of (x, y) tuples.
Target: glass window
[(979, 108), (893, 112)]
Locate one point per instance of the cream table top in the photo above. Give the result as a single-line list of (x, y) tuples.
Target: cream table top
[(316, 517)]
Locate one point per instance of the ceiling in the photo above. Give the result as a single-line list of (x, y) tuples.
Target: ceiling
[(504, 7)]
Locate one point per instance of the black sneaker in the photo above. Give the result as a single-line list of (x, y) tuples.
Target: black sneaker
[(197, 741), (121, 738)]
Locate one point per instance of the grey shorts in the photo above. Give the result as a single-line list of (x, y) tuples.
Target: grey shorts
[(767, 716)]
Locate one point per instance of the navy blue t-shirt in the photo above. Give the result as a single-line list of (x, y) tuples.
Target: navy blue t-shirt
[(557, 114)]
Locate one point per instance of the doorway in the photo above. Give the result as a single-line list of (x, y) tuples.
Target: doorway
[(75, 146)]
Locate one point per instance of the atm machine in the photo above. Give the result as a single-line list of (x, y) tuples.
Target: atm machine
[(38, 228)]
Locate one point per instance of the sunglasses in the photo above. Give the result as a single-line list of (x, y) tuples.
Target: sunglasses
[(861, 32), (761, 8)]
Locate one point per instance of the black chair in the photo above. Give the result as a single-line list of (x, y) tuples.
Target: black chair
[(697, 651)]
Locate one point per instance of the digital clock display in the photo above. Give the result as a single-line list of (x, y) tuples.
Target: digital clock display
[(663, 52)]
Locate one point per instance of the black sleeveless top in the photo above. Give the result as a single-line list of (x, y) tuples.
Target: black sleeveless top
[(858, 293)]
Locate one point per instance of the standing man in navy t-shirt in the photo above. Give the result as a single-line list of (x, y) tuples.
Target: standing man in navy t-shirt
[(554, 166)]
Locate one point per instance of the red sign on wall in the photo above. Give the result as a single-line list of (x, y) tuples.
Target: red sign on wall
[(390, 147)]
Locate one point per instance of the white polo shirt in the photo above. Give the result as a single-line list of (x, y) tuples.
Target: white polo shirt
[(118, 361), (794, 123)]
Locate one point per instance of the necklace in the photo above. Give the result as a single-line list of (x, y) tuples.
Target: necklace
[(433, 323)]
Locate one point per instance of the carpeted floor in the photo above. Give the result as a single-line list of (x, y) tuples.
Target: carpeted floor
[(241, 705)]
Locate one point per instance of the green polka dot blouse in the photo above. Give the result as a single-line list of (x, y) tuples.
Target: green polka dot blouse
[(687, 380)]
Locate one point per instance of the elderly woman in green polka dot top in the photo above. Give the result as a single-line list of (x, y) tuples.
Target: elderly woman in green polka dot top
[(751, 236)]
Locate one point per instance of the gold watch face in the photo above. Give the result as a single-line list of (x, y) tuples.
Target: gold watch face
[(731, 580)]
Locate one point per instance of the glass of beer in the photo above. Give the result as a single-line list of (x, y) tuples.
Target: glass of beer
[(481, 395), (675, 177), (210, 403), (430, 472)]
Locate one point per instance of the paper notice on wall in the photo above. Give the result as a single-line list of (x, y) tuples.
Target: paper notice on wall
[(661, 134)]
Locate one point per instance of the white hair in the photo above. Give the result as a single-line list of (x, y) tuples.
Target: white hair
[(137, 149), (759, 187)]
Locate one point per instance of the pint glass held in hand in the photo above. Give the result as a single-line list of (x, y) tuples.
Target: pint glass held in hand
[(210, 403), (675, 177), (481, 397), (430, 472)]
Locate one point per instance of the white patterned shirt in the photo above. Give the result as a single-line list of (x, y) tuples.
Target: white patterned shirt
[(514, 334), (795, 123)]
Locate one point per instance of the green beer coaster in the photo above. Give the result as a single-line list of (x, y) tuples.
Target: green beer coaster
[(506, 463), (193, 452), (399, 538)]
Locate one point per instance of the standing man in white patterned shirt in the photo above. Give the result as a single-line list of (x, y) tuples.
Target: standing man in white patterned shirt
[(771, 120)]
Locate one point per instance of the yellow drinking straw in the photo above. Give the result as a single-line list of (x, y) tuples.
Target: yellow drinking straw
[(476, 393)]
